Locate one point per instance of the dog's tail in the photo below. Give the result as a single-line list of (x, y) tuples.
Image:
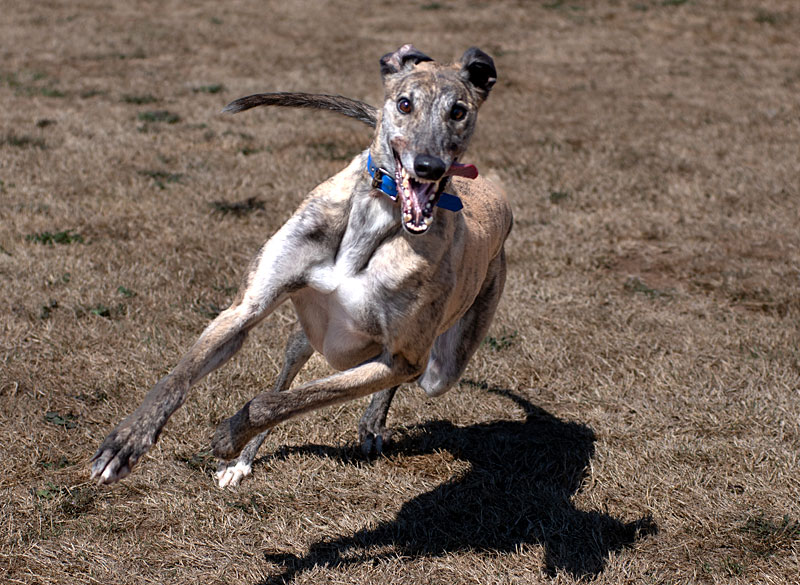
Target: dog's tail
[(334, 103)]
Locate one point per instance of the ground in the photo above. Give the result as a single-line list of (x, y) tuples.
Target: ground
[(634, 414)]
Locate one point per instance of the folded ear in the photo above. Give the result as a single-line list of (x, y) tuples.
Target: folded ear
[(478, 69), (405, 57)]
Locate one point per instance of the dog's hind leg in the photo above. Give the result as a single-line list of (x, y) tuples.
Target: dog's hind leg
[(298, 351), (372, 431), (270, 408), (454, 348)]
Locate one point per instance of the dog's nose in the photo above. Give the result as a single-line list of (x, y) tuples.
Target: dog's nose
[(429, 167)]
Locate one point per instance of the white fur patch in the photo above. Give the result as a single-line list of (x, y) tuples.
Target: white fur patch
[(230, 474)]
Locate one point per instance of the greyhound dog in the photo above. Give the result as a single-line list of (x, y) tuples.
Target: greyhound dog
[(392, 279)]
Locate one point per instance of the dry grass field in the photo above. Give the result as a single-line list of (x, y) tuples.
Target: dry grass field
[(634, 415)]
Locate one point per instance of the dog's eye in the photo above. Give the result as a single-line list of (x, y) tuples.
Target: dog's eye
[(458, 112), (404, 105)]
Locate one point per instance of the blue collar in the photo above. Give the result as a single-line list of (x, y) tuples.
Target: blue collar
[(383, 181)]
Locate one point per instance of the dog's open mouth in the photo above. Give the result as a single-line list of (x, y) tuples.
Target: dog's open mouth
[(418, 198)]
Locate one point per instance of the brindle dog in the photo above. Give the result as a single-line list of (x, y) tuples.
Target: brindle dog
[(391, 280)]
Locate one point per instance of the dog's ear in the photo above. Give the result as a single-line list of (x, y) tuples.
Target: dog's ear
[(478, 69), (404, 57)]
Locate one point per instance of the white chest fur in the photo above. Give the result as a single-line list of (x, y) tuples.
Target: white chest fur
[(344, 308)]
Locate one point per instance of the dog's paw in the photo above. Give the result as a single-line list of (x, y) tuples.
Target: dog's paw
[(231, 473), (373, 438), (120, 451)]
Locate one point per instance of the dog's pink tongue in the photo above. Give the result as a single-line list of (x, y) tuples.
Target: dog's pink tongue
[(462, 170)]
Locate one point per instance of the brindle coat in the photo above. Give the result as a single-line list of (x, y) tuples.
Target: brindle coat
[(384, 303)]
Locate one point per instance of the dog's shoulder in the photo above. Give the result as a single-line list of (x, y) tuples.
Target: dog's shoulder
[(486, 205), (329, 203)]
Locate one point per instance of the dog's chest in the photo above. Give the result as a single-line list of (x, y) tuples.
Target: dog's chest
[(350, 302)]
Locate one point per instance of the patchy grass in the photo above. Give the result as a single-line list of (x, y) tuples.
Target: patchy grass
[(632, 416), (68, 421), (64, 237), (635, 284), (502, 342), (772, 536), (157, 116), (213, 88), (162, 178), (141, 100), (239, 208), (23, 141), (126, 292)]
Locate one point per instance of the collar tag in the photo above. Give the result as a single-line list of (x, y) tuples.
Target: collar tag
[(450, 202)]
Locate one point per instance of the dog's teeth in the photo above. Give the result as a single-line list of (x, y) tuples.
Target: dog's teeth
[(407, 217), (428, 221)]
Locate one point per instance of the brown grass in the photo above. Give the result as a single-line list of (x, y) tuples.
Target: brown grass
[(635, 418)]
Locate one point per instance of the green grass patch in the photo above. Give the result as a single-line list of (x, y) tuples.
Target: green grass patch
[(47, 310), (766, 17), (208, 310), (51, 92), (64, 237), (59, 463), (162, 178), (502, 342), (73, 500), (139, 99), (248, 150), (68, 421), (204, 461), (634, 284), (24, 141), (90, 93), (771, 536), (238, 208), (135, 54), (212, 88), (92, 399), (558, 196), (27, 84), (126, 292), (101, 311), (49, 491), (159, 116)]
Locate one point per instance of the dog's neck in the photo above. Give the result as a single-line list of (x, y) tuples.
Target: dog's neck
[(381, 154), (372, 218)]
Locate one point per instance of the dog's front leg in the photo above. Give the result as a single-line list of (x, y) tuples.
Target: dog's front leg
[(277, 271), (270, 408), (138, 432)]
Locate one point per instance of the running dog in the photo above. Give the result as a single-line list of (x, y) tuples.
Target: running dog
[(393, 279)]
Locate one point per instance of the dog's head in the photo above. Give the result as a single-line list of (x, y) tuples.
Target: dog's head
[(428, 117)]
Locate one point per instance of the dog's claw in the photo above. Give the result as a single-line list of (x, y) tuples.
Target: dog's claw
[(119, 453), (373, 440)]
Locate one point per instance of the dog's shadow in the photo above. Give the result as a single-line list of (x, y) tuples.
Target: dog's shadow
[(518, 491)]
